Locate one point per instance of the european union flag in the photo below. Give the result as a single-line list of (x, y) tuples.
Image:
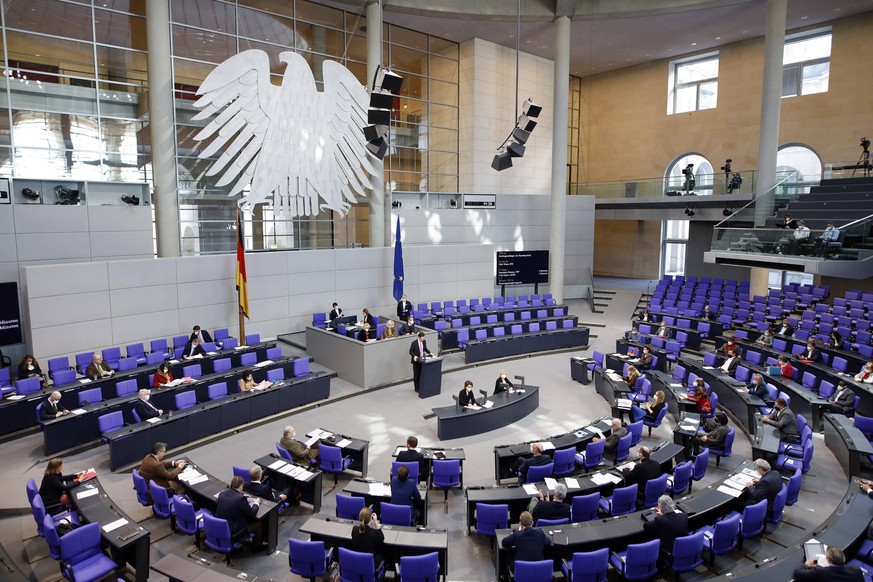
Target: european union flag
[(398, 265)]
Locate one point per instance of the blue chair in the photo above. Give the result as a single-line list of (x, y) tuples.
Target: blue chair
[(301, 367), (592, 456), (687, 553), (82, 557), (538, 473), (220, 335), (111, 356), (622, 501), (412, 466), (635, 429), (333, 461), (318, 320), (90, 396), (654, 489), (241, 472), (564, 462), (721, 538), (216, 391), (230, 343), (726, 449), (775, 512), (248, 359), (276, 375), (136, 351), (253, 338), (38, 510), (793, 487), (793, 464), (221, 365), (163, 503), (192, 371), (587, 566), (218, 538), (349, 506), (622, 451), (446, 475), (186, 399), (423, 568), (28, 385), (83, 360), (154, 358), (309, 559), (359, 567), (189, 521), (125, 364), (638, 562), (681, 479), (283, 452), (752, 521), (394, 514), (51, 537), (125, 388), (32, 490), (159, 346), (701, 462), (62, 377), (490, 518), (548, 522), (537, 571), (58, 364), (179, 341), (585, 507), (657, 422), (274, 353), (110, 422), (141, 488)]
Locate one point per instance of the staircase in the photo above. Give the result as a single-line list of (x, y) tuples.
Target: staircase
[(841, 200)]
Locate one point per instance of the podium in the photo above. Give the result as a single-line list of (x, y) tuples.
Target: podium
[(431, 380)]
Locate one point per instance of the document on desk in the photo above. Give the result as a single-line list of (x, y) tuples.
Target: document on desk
[(675, 385), (276, 465), (531, 489), (709, 367), (736, 482), (87, 493), (380, 490), (175, 382), (551, 483), (605, 478), (153, 420), (189, 474), (344, 443), (730, 491), (286, 469), (312, 440), (688, 426), (547, 445), (84, 380), (78, 411), (114, 525), (264, 363), (623, 403), (20, 396), (212, 353), (488, 404), (571, 483), (197, 480)]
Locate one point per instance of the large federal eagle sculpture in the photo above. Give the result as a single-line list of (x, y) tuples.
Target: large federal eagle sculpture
[(290, 142)]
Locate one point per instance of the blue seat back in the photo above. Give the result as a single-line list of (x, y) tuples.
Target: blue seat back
[(301, 367), (307, 558), (187, 520), (423, 568), (154, 358), (141, 488), (162, 504), (724, 535), (248, 359), (221, 365), (356, 566), (565, 461), (125, 388), (217, 390), (28, 385), (253, 338), (217, 534), (393, 514), (412, 466), (654, 489), (490, 518), (110, 422), (594, 453), (590, 566), (584, 507), (538, 473), (186, 400), (446, 473), (641, 560), (349, 506), (62, 377), (624, 500), (622, 451), (682, 477), (687, 552), (276, 375), (192, 371)]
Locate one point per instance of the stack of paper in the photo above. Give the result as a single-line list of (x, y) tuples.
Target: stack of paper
[(531, 489), (264, 363), (605, 478), (547, 445), (114, 525), (623, 403), (551, 483), (87, 493), (276, 465), (380, 490), (188, 474), (344, 443), (571, 483), (78, 411)]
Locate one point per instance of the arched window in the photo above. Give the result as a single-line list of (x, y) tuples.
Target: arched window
[(675, 179), (801, 158)]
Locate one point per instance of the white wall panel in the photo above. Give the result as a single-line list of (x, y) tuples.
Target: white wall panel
[(269, 286), (119, 244), (119, 219), (127, 274), (70, 339), (69, 308), (54, 246), (48, 218), (143, 327), (136, 300), (264, 264), (208, 292), (206, 268), (8, 248), (45, 280)]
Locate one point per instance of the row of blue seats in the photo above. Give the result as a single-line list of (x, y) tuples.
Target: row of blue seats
[(514, 330)]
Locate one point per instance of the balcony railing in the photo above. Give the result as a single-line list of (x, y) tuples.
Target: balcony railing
[(648, 188)]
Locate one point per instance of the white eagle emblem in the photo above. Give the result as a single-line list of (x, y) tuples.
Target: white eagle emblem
[(291, 141)]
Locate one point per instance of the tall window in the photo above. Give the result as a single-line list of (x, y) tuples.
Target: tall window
[(693, 84), (675, 180), (673, 248), (574, 123), (807, 63)]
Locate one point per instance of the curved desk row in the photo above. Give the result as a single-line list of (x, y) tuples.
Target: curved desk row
[(514, 345), (501, 314), (847, 443), (454, 422), (449, 336), (81, 427), (20, 413), (309, 483), (129, 444)]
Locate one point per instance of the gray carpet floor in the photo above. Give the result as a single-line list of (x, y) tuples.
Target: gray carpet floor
[(385, 417)]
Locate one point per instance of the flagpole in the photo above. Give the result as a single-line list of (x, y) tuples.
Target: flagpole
[(242, 318)]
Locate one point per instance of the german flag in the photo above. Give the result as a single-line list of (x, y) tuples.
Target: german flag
[(241, 281)]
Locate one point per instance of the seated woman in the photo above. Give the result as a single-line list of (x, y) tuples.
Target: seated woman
[(388, 331), (646, 358), (715, 437), (367, 536), (701, 398), (55, 485), (631, 378), (730, 344), (247, 382), (866, 374), (503, 384), (29, 368), (835, 340), (649, 411), (766, 338), (162, 375), (366, 333), (466, 398)]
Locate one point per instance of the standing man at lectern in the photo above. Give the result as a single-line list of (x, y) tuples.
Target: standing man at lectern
[(404, 309), (418, 350)]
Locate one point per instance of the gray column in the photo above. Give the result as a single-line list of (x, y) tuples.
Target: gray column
[(379, 236), (161, 128), (560, 105), (771, 104)]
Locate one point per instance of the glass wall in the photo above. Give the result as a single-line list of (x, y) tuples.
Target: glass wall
[(423, 138)]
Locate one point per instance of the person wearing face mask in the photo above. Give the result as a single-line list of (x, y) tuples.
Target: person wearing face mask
[(162, 375), (193, 349), (408, 328), (52, 407), (299, 451), (144, 408), (466, 398), (503, 384), (404, 309), (200, 334), (29, 368)]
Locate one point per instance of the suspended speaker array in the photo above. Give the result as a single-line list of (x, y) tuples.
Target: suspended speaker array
[(386, 87), (514, 145)]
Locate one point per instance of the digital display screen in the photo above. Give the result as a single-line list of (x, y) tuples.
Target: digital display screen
[(522, 267), (10, 318)]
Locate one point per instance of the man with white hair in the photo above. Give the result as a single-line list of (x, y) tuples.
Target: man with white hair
[(554, 508), (668, 524), (299, 451), (766, 487), (521, 465), (837, 570), (611, 443), (144, 408)]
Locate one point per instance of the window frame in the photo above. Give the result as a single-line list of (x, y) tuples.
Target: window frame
[(675, 87), (801, 65)]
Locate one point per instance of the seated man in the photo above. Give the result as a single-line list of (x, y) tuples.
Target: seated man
[(98, 368), (262, 490), (556, 508), (241, 513), (411, 454), (759, 389), (521, 465), (843, 400), (767, 486), (529, 542), (299, 451), (611, 443), (52, 408), (836, 570), (144, 408), (408, 328), (200, 334), (669, 524), (643, 471), (193, 349), (730, 362), (405, 491), (164, 473), (828, 235), (784, 419), (708, 313), (811, 353), (785, 328)]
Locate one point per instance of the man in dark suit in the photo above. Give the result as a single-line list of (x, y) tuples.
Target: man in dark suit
[(668, 524), (759, 389), (811, 353), (611, 443), (411, 454), (765, 487), (200, 334), (785, 328), (258, 489), (664, 331), (836, 571), (240, 513), (843, 400), (784, 419), (193, 349), (52, 407), (522, 465), (98, 368), (543, 508), (708, 313), (404, 309), (144, 408), (528, 541), (404, 491), (417, 352), (335, 312), (408, 328), (730, 362), (644, 471)]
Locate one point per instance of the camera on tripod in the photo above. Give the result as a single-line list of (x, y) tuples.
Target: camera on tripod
[(726, 168), (688, 172), (865, 143)]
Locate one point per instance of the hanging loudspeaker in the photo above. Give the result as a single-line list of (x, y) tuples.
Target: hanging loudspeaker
[(531, 109), (502, 161), (516, 150)]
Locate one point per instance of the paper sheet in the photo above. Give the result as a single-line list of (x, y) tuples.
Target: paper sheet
[(311, 441), (623, 403), (20, 396), (276, 465), (551, 483), (571, 483), (87, 493), (84, 380), (153, 420), (264, 363), (380, 490), (78, 411), (114, 525), (197, 480), (547, 445), (344, 443), (730, 491), (488, 404), (530, 489)]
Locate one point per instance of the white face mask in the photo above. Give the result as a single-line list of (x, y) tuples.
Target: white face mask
[(30, 366), (294, 435), (146, 398), (503, 376)]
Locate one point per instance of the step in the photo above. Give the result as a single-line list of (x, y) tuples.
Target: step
[(846, 188), (858, 180)]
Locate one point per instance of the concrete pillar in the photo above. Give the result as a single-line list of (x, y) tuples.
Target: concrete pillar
[(560, 105), (758, 280), (161, 128), (379, 236), (771, 104)]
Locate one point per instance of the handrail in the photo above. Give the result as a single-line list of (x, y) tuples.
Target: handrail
[(859, 221), (591, 290), (792, 174)]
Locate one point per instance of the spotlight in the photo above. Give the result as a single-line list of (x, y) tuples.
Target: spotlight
[(514, 145), (453, 203), (30, 194), (378, 147), (132, 200), (386, 86), (689, 211), (530, 108), (396, 204), (526, 123), (516, 150)]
